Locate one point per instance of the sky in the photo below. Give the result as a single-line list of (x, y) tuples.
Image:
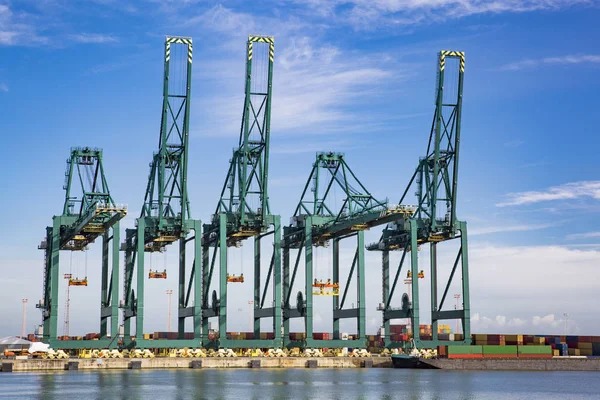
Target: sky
[(353, 76)]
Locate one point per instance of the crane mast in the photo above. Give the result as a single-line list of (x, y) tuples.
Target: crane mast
[(165, 217), (243, 209), (434, 221), (89, 212)]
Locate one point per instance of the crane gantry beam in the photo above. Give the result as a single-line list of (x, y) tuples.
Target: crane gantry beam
[(243, 210), (165, 217), (435, 182), (88, 212)]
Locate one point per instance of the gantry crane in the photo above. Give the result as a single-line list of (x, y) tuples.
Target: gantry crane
[(315, 224), (165, 217), (87, 214), (243, 211), (435, 181)]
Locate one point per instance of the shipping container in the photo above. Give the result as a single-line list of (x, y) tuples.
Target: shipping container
[(528, 350), (457, 349), (499, 350)]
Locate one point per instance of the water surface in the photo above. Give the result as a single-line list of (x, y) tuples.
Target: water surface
[(331, 384)]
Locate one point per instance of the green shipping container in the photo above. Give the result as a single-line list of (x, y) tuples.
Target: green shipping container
[(454, 349), (535, 350), (491, 349)]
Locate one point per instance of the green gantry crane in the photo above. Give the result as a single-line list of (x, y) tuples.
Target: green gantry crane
[(316, 224), (87, 214), (434, 221), (165, 217), (243, 211)]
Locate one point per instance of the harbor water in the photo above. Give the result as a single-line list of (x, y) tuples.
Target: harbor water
[(343, 384)]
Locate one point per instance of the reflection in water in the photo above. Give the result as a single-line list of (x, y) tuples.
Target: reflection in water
[(331, 384)]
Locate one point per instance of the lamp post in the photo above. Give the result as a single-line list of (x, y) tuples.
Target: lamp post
[(250, 304), (24, 317), (169, 293), (457, 297)]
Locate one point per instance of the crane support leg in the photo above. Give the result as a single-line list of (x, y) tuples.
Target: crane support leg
[(110, 286)]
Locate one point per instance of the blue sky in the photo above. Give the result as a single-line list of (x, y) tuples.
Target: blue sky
[(354, 76)]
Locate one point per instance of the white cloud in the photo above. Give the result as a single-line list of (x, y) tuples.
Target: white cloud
[(93, 38), (563, 60), (547, 324), (314, 83), (372, 14), (587, 235), (508, 228), (17, 29), (568, 191)]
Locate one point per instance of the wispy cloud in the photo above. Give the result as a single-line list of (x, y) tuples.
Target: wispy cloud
[(372, 14), (93, 38), (508, 228), (563, 60), (588, 235), (548, 323), (514, 143), (17, 29), (3, 87), (301, 146), (568, 191), (315, 83)]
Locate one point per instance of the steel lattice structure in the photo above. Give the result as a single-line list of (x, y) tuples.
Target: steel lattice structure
[(165, 217), (435, 182), (243, 210), (88, 213), (315, 224)]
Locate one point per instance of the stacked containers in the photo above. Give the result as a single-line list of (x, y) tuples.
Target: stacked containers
[(321, 335), (514, 340), (563, 349), (480, 340), (585, 346)]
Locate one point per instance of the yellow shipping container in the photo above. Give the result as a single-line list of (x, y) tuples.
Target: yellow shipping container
[(586, 346), (480, 337), (555, 353), (586, 352), (574, 352)]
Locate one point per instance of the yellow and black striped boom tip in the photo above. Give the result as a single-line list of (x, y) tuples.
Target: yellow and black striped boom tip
[(447, 53), (261, 39), (178, 40)]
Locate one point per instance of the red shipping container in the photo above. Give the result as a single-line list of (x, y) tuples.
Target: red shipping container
[(396, 328), (535, 356), (441, 351), (499, 356), (465, 356), (321, 335)]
